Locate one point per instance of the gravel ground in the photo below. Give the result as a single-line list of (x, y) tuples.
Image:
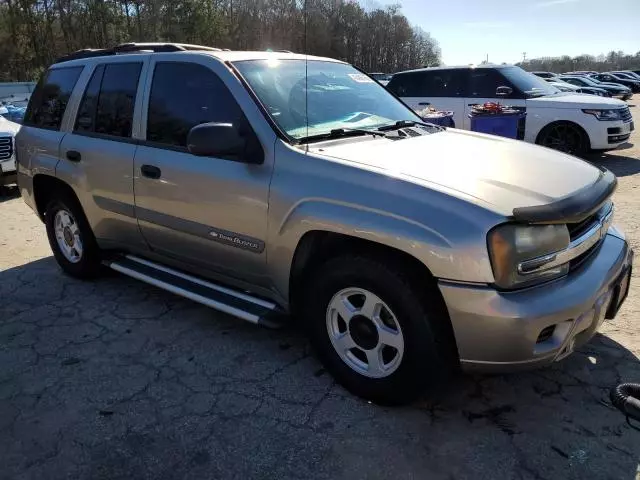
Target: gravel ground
[(115, 379)]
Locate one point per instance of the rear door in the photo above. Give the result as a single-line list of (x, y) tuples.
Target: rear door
[(97, 156), (38, 141), (483, 83), (440, 89)]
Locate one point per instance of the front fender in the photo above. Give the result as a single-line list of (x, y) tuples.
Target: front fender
[(445, 258)]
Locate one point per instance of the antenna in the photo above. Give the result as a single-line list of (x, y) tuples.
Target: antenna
[(524, 57), (306, 71)]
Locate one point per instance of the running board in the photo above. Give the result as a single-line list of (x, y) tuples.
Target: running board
[(233, 302)]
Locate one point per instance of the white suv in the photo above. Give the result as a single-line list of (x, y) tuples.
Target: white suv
[(8, 131), (572, 123)]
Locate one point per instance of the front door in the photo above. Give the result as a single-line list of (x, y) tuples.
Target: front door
[(483, 83), (204, 211)]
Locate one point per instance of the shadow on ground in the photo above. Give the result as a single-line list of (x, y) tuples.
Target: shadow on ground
[(114, 379), (8, 193), (620, 164)]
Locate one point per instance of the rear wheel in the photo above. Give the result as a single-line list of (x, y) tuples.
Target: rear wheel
[(70, 237), (379, 335), (565, 137)]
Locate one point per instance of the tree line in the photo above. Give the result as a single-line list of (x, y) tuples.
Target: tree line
[(33, 33), (601, 63)]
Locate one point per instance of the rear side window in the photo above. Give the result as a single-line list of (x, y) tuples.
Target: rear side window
[(108, 102), (405, 85), (86, 118), (50, 98), (444, 83), (435, 83), (184, 95)]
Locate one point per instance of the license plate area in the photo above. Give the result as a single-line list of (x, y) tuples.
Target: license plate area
[(620, 292)]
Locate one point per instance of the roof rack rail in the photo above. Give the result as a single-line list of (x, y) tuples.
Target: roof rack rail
[(133, 48)]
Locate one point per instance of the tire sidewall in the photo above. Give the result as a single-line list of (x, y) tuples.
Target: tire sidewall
[(89, 262), (584, 147), (421, 362)]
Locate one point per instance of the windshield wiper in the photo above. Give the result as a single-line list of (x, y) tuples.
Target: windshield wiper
[(339, 133), (408, 123)]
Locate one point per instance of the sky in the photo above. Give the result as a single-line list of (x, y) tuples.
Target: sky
[(468, 30)]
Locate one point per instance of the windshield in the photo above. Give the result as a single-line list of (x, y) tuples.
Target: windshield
[(591, 81), (316, 97), (528, 83)]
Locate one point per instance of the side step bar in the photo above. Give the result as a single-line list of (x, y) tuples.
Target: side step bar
[(238, 304)]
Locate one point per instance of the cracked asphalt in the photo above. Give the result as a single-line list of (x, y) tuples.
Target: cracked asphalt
[(115, 379)]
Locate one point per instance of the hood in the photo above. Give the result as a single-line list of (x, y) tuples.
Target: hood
[(7, 127), (499, 173), (573, 100)]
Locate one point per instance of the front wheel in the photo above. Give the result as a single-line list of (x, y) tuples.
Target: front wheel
[(379, 335), (565, 137)]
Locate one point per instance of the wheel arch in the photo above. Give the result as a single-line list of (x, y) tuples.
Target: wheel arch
[(561, 122), (317, 246), (45, 187)]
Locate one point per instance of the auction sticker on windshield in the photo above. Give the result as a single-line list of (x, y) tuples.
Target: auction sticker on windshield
[(360, 78)]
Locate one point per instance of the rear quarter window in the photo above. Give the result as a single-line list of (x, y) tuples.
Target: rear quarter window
[(50, 98)]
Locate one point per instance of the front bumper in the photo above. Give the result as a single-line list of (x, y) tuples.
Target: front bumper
[(8, 176), (609, 135), (501, 331)]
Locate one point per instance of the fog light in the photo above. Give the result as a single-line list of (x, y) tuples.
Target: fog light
[(546, 334)]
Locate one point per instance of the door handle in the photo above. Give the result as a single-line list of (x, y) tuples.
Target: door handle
[(74, 155), (424, 103), (151, 171)]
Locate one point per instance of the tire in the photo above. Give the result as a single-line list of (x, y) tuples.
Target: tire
[(428, 348), (77, 233), (565, 137)]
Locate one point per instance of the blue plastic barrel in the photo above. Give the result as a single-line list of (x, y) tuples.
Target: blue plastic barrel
[(504, 124), (444, 119)]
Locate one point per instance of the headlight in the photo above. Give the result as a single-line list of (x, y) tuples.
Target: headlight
[(615, 114), (513, 246)]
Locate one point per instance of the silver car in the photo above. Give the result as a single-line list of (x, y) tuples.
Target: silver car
[(271, 184)]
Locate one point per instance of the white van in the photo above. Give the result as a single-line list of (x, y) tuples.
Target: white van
[(572, 123)]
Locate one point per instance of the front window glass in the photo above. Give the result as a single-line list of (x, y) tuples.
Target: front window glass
[(316, 97), (528, 83)]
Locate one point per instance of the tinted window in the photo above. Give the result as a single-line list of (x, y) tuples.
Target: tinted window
[(434, 83), (85, 121), (484, 82), (50, 98), (114, 115), (184, 95), (405, 85)]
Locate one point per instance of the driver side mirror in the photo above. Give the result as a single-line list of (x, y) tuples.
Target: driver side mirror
[(504, 91), (224, 140)]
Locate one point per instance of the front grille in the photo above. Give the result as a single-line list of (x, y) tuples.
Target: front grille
[(626, 114), (577, 229), (6, 148)]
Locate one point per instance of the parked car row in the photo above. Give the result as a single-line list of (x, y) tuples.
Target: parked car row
[(572, 123), (627, 82)]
